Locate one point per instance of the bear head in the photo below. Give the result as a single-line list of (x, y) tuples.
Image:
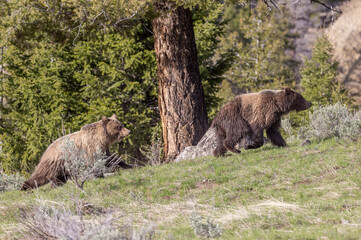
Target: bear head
[(115, 129), (295, 100)]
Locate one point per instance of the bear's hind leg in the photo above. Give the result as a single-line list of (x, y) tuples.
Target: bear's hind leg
[(60, 180), (236, 131), (257, 141), (220, 150)]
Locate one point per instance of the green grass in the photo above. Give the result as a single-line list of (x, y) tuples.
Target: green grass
[(310, 192)]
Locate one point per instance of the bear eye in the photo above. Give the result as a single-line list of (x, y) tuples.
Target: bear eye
[(120, 127)]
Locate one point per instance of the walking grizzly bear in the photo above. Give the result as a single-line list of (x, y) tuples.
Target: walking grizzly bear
[(244, 119), (91, 137)]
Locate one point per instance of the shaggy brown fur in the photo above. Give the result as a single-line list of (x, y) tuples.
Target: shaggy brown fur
[(245, 118), (99, 135)]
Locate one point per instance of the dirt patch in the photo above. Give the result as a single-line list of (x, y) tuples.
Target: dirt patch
[(206, 183)]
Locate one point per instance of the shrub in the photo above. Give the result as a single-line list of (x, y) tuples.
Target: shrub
[(81, 167), (324, 121), (333, 121), (10, 182), (287, 127), (50, 220), (351, 127), (101, 232), (154, 152), (207, 229)]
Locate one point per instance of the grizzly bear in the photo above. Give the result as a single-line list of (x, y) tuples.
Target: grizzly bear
[(244, 119), (91, 138)]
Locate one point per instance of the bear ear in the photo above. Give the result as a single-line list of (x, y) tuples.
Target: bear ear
[(104, 118), (114, 117), (287, 90)]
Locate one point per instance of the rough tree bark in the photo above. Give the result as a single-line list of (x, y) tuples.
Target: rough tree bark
[(181, 98)]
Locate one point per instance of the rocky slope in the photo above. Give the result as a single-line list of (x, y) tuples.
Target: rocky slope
[(345, 35), (309, 21)]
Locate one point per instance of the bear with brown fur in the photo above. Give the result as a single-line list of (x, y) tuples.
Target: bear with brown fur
[(244, 119), (91, 138)]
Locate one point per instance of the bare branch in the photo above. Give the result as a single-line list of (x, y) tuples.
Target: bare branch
[(80, 27), (273, 4), (326, 6), (127, 18), (94, 18), (267, 4)]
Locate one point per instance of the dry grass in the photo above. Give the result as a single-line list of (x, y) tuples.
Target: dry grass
[(263, 208)]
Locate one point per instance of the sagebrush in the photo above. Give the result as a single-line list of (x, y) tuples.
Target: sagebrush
[(10, 182), (333, 121), (154, 151), (287, 127), (56, 220), (205, 228), (81, 167)]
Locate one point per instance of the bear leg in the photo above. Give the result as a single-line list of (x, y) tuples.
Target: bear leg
[(220, 150), (120, 164), (34, 182), (229, 144), (275, 136), (59, 180), (258, 142), (124, 165)]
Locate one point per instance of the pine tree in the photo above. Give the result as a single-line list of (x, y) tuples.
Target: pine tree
[(260, 41), (319, 76), (319, 81)]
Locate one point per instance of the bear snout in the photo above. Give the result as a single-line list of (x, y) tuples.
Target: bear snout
[(306, 105), (125, 132)]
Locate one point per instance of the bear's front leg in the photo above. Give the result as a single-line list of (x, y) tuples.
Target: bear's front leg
[(275, 136), (229, 144)]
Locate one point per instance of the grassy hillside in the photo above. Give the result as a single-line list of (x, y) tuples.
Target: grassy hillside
[(310, 192)]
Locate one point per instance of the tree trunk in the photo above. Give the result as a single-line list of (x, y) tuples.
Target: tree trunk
[(181, 99)]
